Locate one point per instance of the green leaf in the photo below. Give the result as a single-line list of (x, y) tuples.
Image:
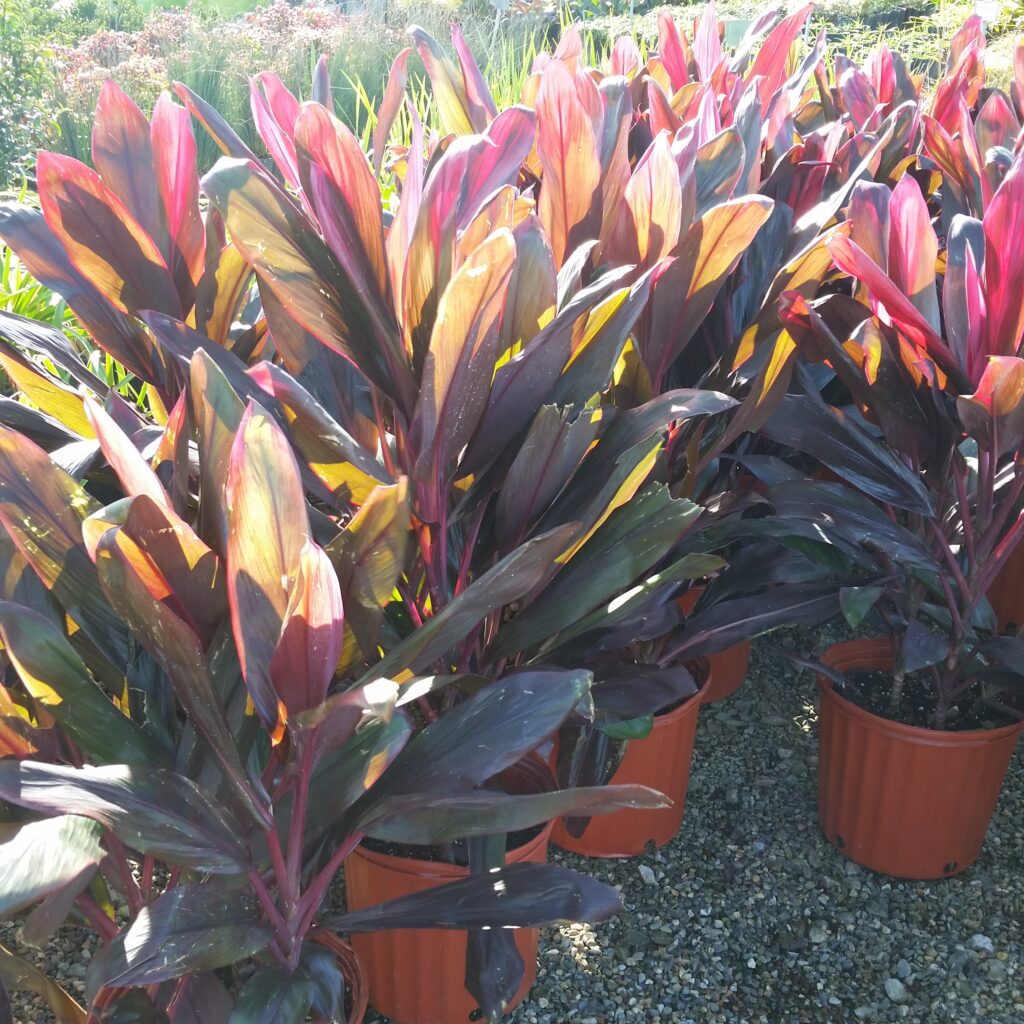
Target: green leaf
[(341, 779), (42, 509), (514, 576), (188, 929), (557, 441), (39, 858), (295, 263), (133, 1008), (150, 809), (480, 737), (607, 616), (54, 675), (272, 995), (459, 368), (369, 555), (516, 896), (631, 729), (176, 648), (630, 543), (267, 531), (427, 821), (217, 411), (856, 602)]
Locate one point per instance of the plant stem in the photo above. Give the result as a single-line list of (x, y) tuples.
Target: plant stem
[(1006, 507), (965, 519), (130, 887), (179, 992), (280, 871), (951, 560), (104, 926), (297, 826), (1002, 552), (147, 877), (267, 902), (314, 895)]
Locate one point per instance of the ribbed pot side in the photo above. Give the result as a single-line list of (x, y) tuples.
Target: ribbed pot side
[(902, 800), (660, 760), (418, 976)]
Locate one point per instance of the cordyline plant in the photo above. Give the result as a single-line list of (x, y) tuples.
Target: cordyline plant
[(471, 499), (927, 348), (462, 343), (239, 820), (663, 188), (476, 359)]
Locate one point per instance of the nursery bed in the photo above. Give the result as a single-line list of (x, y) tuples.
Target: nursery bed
[(749, 915)]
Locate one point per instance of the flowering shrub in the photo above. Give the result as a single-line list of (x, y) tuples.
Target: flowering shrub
[(217, 58)]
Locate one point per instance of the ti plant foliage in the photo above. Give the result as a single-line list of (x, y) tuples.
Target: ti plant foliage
[(425, 443)]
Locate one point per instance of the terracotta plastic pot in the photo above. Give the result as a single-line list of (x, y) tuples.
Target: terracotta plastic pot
[(899, 799), (728, 667), (1007, 592), (419, 976), (660, 760)]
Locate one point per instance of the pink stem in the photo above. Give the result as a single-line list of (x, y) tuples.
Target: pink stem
[(280, 870), (132, 892), (314, 895), (268, 904), (104, 926), (297, 826)]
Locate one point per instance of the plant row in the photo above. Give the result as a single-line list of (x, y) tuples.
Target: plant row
[(457, 467)]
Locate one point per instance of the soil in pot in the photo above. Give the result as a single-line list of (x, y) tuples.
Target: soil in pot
[(900, 799), (660, 760), (872, 691), (728, 667), (418, 976)]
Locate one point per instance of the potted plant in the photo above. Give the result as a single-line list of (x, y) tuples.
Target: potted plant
[(417, 376), (220, 828), (673, 217), (918, 726)]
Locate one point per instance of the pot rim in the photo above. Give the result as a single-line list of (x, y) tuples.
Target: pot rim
[(441, 869), (872, 648), (352, 968)]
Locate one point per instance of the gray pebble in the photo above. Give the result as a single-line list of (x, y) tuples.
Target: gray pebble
[(895, 990)]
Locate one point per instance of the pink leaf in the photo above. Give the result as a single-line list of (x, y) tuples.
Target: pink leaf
[(670, 49), (389, 106), (277, 137), (887, 300), (625, 57), (649, 220), (913, 249), (177, 178), (772, 58), (307, 652), (122, 153), (124, 458), (478, 95), (1004, 263), (567, 150), (349, 212), (707, 44)]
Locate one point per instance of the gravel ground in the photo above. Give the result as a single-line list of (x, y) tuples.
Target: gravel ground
[(750, 916)]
